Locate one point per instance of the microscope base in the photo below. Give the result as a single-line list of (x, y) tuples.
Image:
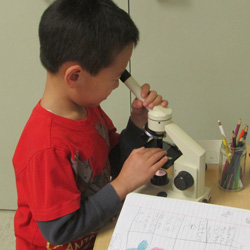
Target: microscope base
[(151, 189)]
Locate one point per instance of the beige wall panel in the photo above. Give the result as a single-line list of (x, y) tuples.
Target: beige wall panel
[(196, 53)]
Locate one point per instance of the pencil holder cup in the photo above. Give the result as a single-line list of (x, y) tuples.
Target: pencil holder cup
[(232, 166)]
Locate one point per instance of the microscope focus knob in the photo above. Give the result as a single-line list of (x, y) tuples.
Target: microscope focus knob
[(183, 180), (160, 178)]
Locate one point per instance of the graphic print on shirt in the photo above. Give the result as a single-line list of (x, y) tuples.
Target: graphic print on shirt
[(102, 131), (82, 170), (98, 182), (87, 182), (84, 176)]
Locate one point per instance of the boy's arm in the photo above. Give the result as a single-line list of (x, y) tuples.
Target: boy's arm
[(133, 136), (138, 168), (130, 138), (93, 213)]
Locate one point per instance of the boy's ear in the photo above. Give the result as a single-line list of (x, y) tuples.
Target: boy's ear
[(73, 75)]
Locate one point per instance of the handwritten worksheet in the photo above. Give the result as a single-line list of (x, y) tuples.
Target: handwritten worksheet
[(154, 223)]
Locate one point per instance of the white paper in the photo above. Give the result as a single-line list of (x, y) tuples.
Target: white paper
[(154, 223)]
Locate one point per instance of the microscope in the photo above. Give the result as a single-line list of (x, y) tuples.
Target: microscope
[(186, 156)]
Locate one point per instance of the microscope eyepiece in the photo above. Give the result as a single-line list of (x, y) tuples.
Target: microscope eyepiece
[(125, 75)]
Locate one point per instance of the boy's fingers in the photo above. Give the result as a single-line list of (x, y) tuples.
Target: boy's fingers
[(145, 90), (138, 150), (154, 155), (137, 104), (160, 163), (152, 95), (155, 101), (164, 103)]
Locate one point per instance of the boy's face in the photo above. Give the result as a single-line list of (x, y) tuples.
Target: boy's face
[(95, 89)]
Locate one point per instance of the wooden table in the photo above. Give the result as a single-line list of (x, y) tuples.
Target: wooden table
[(240, 199)]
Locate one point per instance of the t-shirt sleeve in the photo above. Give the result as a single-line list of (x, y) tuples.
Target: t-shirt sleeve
[(93, 213), (49, 185)]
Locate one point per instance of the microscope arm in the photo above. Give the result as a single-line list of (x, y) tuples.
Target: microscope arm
[(187, 145), (192, 162)]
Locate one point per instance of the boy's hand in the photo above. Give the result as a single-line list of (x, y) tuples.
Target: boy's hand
[(138, 169), (139, 114)]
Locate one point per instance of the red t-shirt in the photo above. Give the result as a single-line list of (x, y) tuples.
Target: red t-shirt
[(58, 160)]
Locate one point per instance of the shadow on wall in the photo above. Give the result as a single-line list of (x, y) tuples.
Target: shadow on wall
[(183, 3), (49, 1)]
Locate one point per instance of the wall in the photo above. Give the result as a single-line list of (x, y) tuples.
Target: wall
[(196, 53), (21, 81)]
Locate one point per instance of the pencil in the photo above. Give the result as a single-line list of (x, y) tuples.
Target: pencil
[(227, 151), (237, 127), (233, 143), (221, 128), (241, 142), (245, 133)]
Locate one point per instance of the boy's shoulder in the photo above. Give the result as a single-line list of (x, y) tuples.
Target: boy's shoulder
[(37, 126), (35, 136), (45, 130)]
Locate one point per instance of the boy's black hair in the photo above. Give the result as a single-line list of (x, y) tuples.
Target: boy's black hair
[(89, 32)]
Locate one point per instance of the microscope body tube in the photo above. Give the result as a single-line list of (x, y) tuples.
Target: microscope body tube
[(132, 84), (159, 116)]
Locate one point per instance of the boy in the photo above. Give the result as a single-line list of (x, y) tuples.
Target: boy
[(69, 149)]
